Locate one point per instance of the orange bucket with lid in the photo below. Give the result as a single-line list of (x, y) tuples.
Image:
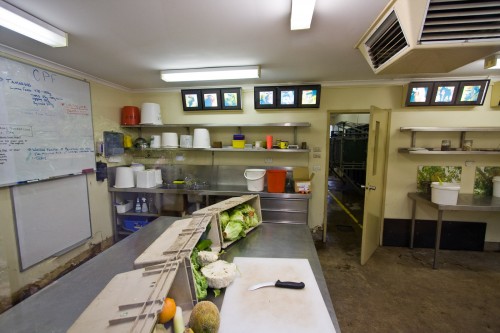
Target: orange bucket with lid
[(276, 180), (130, 115)]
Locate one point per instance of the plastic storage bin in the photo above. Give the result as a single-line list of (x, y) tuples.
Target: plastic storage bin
[(444, 193), (276, 180), (134, 223)]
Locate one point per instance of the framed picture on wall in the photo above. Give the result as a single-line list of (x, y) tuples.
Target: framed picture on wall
[(444, 93), (211, 99), (309, 96), (191, 100), (265, 97), (419, 93), (287, 97), (231, 98), (472, 92)]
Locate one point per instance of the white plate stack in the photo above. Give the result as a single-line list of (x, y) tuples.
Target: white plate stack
[(169, 140)]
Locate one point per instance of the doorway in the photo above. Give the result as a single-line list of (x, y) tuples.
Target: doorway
[(348, 139)]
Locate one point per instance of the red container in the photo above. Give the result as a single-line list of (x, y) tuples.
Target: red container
[(276, 180), (131, 115)]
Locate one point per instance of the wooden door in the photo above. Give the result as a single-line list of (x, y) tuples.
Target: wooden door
[(375, 183)]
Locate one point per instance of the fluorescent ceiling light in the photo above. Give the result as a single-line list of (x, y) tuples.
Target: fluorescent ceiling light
[(302, 13), (492, 62), (214, 73), (21, 22)]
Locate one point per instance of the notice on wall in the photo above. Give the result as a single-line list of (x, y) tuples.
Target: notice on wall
[(45, 124)]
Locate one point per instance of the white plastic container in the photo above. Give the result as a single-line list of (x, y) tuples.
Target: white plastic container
[(124, 177), (155, 141), (201, 138), (125, 207), (255, 179), (146, 178), (444, 193), (137, 167), (496, 186), (151, 114), (186, 141), (169, 140)]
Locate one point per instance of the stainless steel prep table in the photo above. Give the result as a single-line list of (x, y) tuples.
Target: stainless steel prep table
[(466, 202), (56, 307)]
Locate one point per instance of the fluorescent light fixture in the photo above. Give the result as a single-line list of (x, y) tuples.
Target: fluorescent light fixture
[(21, 22), (492, 62), (214, 73), (302, 13)]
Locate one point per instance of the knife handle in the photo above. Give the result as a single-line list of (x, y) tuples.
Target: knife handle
[(289, 284)]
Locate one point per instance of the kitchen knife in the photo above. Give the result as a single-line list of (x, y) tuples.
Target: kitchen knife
[(279, 284)]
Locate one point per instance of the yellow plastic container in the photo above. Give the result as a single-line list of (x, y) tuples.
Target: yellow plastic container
[(239, 144)]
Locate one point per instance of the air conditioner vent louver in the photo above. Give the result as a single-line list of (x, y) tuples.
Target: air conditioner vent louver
[(461, 21), (387, 41)]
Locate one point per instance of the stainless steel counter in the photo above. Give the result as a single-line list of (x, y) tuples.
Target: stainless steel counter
[(465, 202), (213, 190), (56, 307)]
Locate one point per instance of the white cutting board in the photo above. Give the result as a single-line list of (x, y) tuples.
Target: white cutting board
[(273, 309)]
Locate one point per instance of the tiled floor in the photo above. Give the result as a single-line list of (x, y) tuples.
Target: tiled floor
[(397, 290)]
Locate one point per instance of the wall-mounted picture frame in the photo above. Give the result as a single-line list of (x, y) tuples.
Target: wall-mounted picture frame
[(472, 92), (265, 97), (444, 93), (287, 97), (191, 99), (231, 98), (309, 96), (211, 99), (419, 93)]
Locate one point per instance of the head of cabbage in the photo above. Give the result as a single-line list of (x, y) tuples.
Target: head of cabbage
[(233, 230)]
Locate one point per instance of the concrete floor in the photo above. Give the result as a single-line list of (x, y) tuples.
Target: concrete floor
[(397, 290)]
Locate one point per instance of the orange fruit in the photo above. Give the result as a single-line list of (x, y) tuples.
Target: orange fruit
[(167, 312)]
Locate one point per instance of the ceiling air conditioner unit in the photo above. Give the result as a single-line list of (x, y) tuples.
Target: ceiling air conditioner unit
[(431, 36)]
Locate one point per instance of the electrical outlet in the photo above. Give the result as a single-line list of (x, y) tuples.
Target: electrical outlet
[(316, 149), (179, 157), (316, 155), (316, 168), (268, 160)]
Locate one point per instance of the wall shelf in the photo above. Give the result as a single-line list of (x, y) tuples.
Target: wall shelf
[(233, 150), (413, 149)]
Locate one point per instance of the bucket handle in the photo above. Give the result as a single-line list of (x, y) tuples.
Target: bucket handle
[(245, 174)]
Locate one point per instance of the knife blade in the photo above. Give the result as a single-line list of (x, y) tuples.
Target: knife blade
[(279, 284)]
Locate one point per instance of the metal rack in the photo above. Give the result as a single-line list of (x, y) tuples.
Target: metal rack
[(348, 148)]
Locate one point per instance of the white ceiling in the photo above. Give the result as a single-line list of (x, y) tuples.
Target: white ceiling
[(128, 42)]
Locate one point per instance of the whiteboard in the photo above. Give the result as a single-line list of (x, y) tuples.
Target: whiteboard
[(45, 124), (51, 217)]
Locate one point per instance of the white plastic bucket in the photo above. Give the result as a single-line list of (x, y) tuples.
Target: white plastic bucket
[(201, 138), (496, 186), (151, 114), (124, 177), (255, 179), (444, 193)]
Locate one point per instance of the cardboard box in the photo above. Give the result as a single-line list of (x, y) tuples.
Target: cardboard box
[(136, 310), (179, 240), (302, 180), (215, 209)]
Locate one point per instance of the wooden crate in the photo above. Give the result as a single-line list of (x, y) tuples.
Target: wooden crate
[(131, 301), (179, 240), (216, 209)]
